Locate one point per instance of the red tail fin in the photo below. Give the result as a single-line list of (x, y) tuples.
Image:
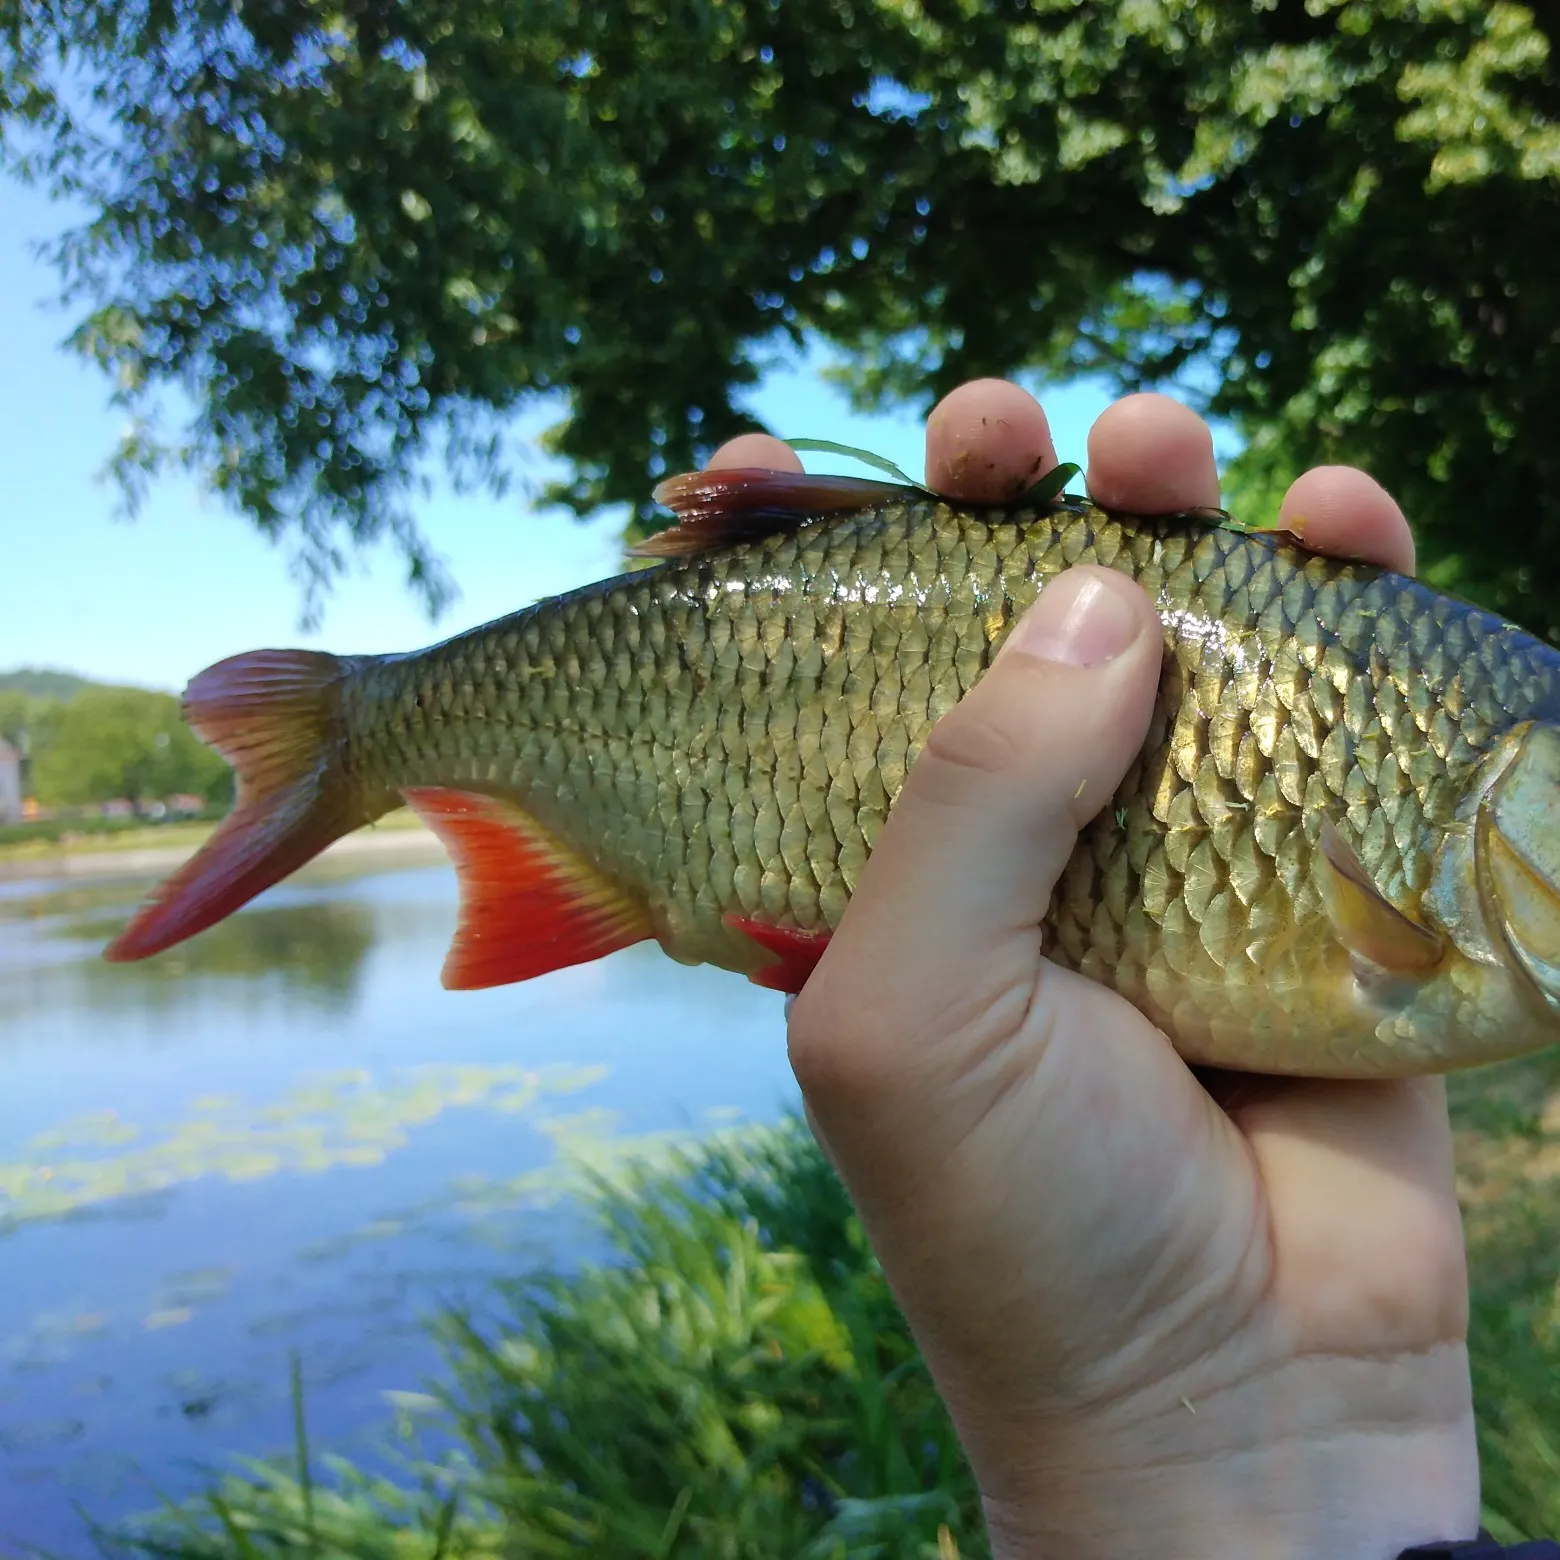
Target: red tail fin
[(274, 715)]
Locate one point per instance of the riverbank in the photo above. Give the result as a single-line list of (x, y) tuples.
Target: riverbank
[(163, 847), (819, 1431)]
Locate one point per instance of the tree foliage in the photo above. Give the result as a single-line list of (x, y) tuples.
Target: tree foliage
[(124, 742), (364, 232), (16, 714), (28, 723)]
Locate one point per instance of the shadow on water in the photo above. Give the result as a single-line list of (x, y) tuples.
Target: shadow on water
[(284, 1138), (311, 940), (316, 950)]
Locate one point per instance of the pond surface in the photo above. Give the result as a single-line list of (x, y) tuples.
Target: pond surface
[(285, 1138)]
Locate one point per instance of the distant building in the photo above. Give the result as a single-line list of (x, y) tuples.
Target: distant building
[(10, 783)]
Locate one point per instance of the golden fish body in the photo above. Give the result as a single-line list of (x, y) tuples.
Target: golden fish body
[(1337, 854)]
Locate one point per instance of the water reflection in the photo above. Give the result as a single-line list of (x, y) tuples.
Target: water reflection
[(313, 939), (317, 951), (287, 1138)]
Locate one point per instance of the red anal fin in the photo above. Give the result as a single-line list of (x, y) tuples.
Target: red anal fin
[(796, 952), (721, 508), (528, 904), (274, 715)]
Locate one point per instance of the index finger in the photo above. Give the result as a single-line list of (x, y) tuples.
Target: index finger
[(986, 442), (1341, 511)]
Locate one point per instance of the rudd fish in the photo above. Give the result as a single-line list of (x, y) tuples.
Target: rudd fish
[(1337, 854)]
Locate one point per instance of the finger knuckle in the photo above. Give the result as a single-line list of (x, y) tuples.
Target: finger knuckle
[(968, 747), (856, 1042), (832, 1054)]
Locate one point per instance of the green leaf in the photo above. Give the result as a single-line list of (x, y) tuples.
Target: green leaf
[(1050, 486), (301, 1450), (1225, 521), (866, 457)]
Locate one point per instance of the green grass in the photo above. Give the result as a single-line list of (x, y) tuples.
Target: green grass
[(737, 1384), (1509, 1174), (44, 841)]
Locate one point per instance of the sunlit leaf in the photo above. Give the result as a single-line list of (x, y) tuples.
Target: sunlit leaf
[(866, 457)]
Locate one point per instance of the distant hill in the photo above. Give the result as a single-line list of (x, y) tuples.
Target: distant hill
[(38, 683)]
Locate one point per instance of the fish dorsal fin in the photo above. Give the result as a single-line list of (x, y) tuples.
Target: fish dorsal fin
[(1367, 923), (528, 904), (721, 508)]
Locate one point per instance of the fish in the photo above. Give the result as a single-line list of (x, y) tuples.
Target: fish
[(1336, 855)]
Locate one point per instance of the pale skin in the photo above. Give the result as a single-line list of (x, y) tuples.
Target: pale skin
[(1168, 1322)]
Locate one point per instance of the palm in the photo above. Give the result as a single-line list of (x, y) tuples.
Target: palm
[(1366, 1231), (1310, 1217)]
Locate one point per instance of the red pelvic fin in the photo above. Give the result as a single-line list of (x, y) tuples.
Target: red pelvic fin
[(721, 508), (796, 952), (273, 714), (528, 904)]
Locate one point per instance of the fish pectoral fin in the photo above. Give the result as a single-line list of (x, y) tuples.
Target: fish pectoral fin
[(1366, 922), (720, 508), (1519, 847), (1529, 901), (796, 952), (528, 904)]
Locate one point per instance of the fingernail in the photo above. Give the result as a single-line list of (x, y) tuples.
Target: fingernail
[(1081, 619)]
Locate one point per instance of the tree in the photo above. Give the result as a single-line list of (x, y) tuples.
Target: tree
[(16, 711), (363, 231), (28, 722), (125, 742)]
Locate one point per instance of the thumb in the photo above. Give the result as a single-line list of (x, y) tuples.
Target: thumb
[(943, 928)]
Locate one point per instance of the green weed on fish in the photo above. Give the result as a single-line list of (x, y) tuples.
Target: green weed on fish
[(1047, 489)]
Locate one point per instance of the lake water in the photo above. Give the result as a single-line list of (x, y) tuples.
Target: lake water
[(286, 1139)]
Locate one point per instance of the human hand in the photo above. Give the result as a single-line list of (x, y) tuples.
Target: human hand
[(1164, 1324)]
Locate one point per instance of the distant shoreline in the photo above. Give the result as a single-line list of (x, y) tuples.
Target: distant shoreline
[(398, 840)]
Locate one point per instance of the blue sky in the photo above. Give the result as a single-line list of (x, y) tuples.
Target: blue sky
[(153, 600)]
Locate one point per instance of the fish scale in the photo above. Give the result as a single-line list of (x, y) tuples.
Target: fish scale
[(723, 736)]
